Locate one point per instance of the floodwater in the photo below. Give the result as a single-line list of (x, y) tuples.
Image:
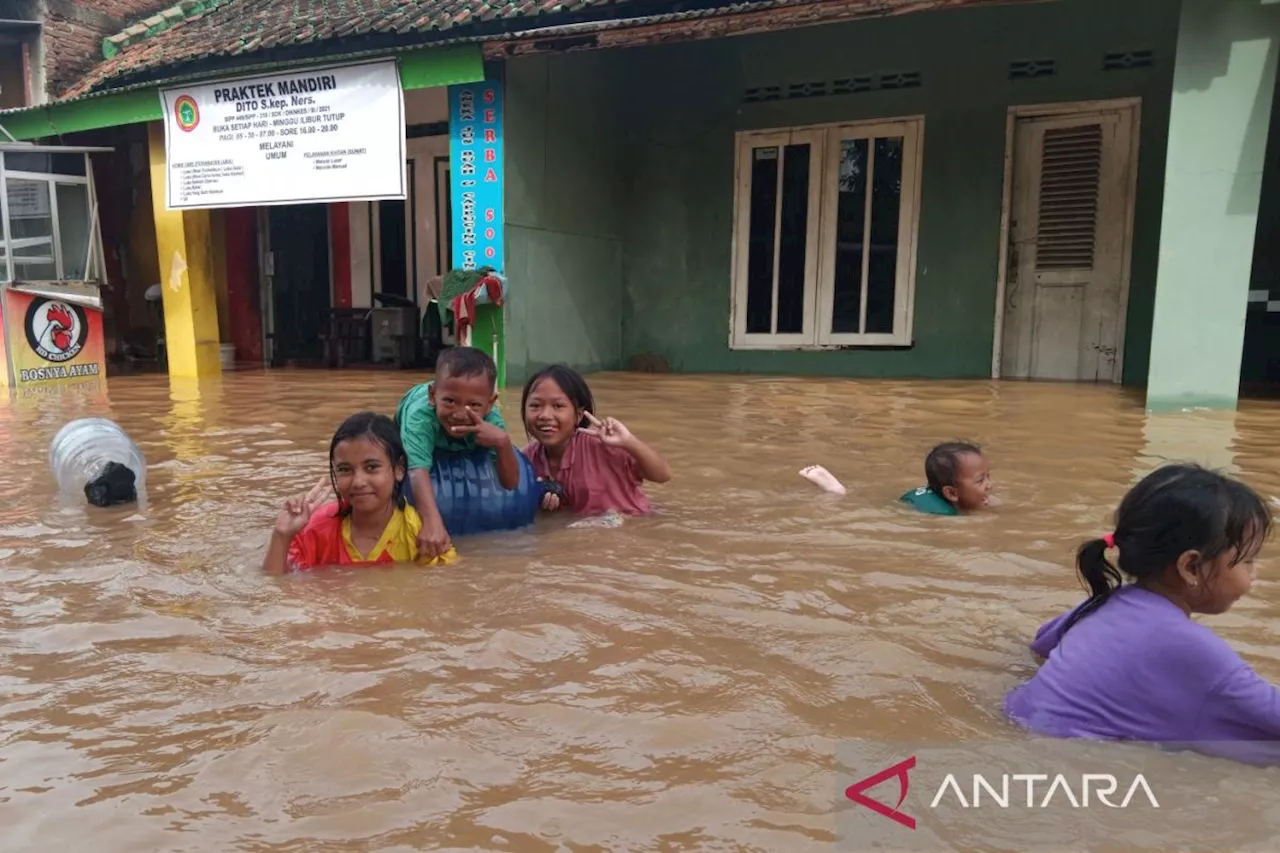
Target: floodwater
[(682, 682)]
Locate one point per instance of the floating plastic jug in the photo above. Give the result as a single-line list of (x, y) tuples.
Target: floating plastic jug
[(472, 500), (96, 458)]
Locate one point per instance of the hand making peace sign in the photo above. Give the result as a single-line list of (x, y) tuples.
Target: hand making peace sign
[(296, 512), (611, 431), (487, 434)]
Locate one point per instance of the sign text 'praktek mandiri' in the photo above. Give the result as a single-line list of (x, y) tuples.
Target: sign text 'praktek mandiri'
[(320, 135)]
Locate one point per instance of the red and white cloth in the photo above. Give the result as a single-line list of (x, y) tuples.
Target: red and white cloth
[(464, 306)]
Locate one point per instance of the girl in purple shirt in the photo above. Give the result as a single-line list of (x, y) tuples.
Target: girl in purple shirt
[(1129, 663)]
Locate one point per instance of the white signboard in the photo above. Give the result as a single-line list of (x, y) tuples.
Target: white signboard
[(320, 135)]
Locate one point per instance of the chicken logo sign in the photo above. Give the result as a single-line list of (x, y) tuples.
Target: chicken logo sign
[(56, 330)]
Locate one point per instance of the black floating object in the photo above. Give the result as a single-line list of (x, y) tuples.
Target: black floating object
[(113, 485)]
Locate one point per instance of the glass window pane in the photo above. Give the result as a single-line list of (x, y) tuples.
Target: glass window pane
[(760, 239), (851, 213), (73, 229), (68, 164), (59, 164), (4, 250), (886, 204), (795, 239), (31, 218), (26, 162)]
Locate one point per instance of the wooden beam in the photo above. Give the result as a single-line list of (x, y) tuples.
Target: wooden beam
[(28, 93)]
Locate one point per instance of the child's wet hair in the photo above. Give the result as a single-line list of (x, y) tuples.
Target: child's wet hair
[(462, 362), (942, 465), (382, 431), (570, 382), (1174, 509)]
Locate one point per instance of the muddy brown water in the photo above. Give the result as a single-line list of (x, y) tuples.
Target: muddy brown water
[(682, 682)]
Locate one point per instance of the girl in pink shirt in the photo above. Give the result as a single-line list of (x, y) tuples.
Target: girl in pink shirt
[(598, 465)]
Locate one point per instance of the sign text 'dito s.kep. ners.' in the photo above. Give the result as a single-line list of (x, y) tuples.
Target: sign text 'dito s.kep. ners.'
[(320, 135)]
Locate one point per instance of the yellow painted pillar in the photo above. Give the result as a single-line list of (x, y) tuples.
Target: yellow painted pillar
[(185, 246)]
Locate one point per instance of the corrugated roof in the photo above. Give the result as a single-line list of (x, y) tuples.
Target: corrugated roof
[(210, 30)]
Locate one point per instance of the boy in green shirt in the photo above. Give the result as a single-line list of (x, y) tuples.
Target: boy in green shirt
[(454, 412), (959, 481), (958, 475)]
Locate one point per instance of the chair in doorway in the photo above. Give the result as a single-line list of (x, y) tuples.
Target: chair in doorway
[(395, 330), (349, 339)]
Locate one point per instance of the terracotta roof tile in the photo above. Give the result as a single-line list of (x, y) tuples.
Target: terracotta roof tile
[(208, 29), (205, 31)]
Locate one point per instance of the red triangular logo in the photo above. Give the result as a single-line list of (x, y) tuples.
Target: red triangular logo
[(855, 792)]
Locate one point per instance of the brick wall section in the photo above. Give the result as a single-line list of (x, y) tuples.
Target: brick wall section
[(74, 30)]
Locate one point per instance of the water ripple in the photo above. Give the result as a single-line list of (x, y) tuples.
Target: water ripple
[(680, 682)]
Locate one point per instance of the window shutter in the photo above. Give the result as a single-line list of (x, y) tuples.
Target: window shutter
[(1070, 175)]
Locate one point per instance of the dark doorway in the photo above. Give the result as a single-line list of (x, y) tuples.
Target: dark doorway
[(444, 218), (298, 237), (398, 243), (395, 268), (1260, 361)]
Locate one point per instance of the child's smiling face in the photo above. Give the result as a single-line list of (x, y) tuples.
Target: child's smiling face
[(972, 489), (455, 396), (364, 474), (550, 418)]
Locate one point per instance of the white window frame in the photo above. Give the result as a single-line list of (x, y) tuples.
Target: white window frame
[(742, 208), (51, 181), (824, 195)]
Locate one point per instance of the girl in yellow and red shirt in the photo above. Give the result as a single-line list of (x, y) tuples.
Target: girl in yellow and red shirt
[(370, 523)]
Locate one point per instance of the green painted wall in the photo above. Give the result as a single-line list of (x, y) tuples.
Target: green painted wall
[(564, 197), (1222, 104), (680, 105)]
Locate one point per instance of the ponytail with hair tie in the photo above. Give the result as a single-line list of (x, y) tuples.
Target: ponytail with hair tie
[(1097, 572)]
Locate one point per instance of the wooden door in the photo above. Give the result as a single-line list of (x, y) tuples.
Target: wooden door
[(1066, 293)]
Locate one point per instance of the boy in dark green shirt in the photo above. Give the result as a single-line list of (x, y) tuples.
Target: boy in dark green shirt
[(958, 476), (959, 481)]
